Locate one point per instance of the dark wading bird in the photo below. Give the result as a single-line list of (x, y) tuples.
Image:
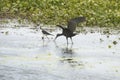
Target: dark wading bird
[(71, 26)]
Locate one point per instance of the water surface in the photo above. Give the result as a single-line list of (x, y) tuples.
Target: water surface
[(24, 55)]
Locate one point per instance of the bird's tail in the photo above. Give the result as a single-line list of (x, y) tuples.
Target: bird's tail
[(60, 26)]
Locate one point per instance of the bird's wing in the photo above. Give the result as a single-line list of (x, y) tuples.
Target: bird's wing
[(72, 23), (46, 33)]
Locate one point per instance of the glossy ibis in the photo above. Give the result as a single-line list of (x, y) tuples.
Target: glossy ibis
[(71, 26)]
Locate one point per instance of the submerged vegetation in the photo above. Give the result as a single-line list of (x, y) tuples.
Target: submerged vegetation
[(98, 12)]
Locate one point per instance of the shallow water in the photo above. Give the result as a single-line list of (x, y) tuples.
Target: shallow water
[(24, 55)]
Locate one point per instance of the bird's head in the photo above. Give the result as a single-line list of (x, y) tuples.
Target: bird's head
[(40, 28), (58, 25)]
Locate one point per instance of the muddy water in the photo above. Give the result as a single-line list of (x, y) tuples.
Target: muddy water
[(24, 55)]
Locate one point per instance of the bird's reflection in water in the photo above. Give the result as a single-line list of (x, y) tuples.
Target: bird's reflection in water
[(68, 56), (44, 42)]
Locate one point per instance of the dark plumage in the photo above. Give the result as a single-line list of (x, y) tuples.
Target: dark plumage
[(69, 31), (44, 32)]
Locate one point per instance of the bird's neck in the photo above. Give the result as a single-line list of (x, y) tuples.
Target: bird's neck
[(60, 26), (60, 34)]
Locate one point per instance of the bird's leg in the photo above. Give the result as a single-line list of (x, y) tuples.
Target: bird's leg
[(43, 37), (67, 46), (46, 36), (71, 40), (71, 46), (55, 38), (43, 43), (67, 40)]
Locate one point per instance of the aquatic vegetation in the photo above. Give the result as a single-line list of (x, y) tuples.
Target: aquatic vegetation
[(109, 46), (115, 42), (98, 12)]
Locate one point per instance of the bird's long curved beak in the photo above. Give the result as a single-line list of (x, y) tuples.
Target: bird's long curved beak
[(55, 38)]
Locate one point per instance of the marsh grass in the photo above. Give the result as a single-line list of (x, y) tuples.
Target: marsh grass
[(103, 13)]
